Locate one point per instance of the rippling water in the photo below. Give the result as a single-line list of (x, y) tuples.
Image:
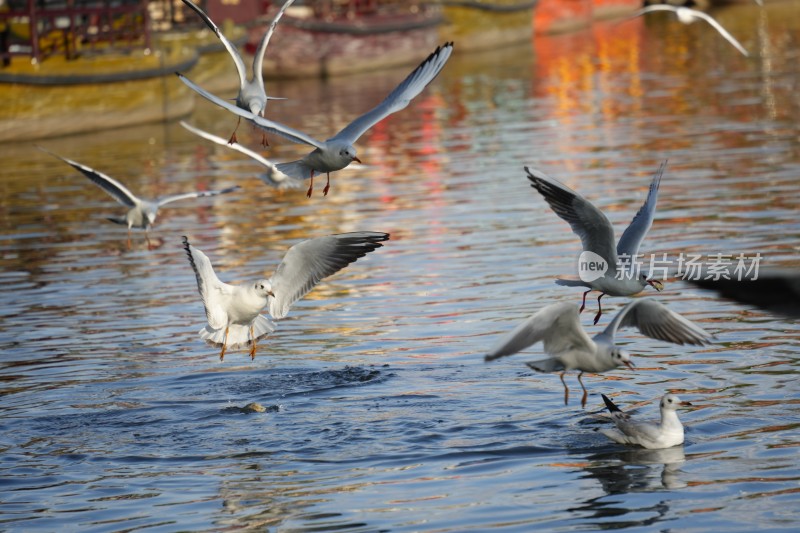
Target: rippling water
[(380, 412)]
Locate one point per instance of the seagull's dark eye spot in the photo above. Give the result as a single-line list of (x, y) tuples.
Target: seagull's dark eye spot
[(670, 400)]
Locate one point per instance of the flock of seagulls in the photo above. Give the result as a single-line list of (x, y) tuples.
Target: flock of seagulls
[(235, 313), (558, 326)]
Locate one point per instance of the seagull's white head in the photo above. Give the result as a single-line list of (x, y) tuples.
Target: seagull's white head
[(348, 153), (263, 288), (655, 283), (621, 357), (685, 15), (671, 402)]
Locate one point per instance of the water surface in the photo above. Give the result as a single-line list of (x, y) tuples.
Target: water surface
[(381, 414)]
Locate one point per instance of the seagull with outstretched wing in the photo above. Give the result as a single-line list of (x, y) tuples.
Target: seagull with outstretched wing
[(559, 328), (252, 95), (141, 212), (338, 152), (234, 311)]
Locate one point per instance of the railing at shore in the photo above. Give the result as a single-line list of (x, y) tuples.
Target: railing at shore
[(40, 28)]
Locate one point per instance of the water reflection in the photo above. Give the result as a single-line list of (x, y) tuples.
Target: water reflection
[(107, 389)]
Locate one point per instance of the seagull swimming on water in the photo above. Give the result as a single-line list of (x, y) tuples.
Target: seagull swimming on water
[(252, 95), (141, 213), (597, 237), (338, 152), (687, 16), (234, 311), (559, 328), (651, 435), (272, 176)]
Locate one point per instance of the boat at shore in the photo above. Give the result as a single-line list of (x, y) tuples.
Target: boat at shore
[(110, 86)]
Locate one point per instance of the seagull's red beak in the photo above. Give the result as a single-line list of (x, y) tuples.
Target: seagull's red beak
[(357, 159), (685, 404), (656, 284), (629, 364)]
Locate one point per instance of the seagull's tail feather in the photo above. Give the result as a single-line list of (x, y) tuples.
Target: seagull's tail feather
[(546, 365), (571, 282), (280, 181), (118, 220), (295, 169), (238, 336), (611, 405)]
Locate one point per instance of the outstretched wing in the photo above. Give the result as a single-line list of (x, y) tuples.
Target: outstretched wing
[(267, 125), (557, 326), (586, 221), (237, 58), (400, 96), (288, 133), (635, 232), (112, 187), (307, 262), (653, 319), (258, 59), (722, 31), (197, 194), (212, 290), (274, 176)]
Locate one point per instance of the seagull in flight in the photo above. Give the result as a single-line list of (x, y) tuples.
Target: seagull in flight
[(559, 328), (141, 213), (234, 311), (597, 237), (651, 435), (338, 152), (272, 176), (687, 16), (252, 96)]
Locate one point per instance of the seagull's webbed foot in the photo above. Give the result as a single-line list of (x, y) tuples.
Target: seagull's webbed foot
[(566, 389)]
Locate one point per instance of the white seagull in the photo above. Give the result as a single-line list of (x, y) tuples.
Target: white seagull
[(650, 435), (687, 16), (558, 326), (597, 237), (234, 311), (338, 151), (141, 213), (252, 95), (272, 176)]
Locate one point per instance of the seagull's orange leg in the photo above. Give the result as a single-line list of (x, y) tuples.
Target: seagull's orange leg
[(224, 344), (583, 303), (566, 389), (585, 393), (327, 185), (233, 135), (310, 187), (599, 308), (253, 346)]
